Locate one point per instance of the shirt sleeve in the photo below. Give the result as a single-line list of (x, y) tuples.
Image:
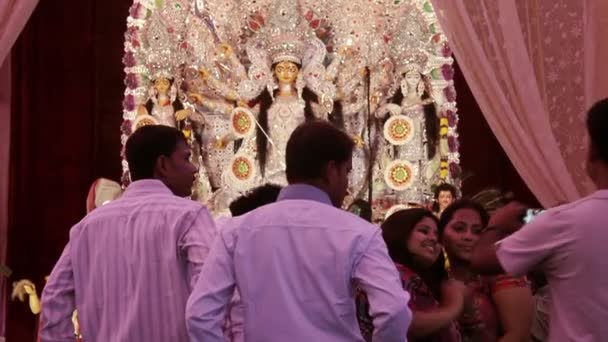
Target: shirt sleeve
[(533, 244), (375, 273), (196, 243), (236, 316), (206, 307), (58, 301)]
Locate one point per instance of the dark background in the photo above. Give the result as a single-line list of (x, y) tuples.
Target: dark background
[(68, 90)]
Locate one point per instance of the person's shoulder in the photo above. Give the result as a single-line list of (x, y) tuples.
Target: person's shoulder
[(301, 212), (587, 208), (336, 217)]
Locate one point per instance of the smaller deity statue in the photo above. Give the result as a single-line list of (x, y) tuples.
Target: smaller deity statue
[(163, 105), (411, 135)]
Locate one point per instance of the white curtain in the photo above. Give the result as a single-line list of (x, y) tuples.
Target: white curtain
[(534, 68), (13, 16)]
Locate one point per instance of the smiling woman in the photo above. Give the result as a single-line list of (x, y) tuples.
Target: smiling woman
[(411, 237), (500, 307)]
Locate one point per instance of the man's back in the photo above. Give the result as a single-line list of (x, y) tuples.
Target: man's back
[(133, 262), (296, 263), (576, 272), (569, 244)]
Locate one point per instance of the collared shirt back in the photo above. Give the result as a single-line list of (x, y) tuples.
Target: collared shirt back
[(296, 264), (129, 268), (568, 245)]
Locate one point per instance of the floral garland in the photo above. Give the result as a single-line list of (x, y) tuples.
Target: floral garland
[(443, 75), (136, 76)]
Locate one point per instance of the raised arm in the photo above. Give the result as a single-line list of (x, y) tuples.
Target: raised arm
[(429, 322), (515, 307)]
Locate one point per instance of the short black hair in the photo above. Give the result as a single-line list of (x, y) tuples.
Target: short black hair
[(311, 146), (255, 198), (445, 187), (148, 143), (362, 208), (463, 203), (597, 125)]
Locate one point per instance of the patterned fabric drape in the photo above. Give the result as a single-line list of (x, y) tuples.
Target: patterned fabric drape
[(534, 67), (13, 16)]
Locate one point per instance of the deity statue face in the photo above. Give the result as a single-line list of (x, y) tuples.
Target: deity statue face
[(162, 85), (410, 81), (286, 72)]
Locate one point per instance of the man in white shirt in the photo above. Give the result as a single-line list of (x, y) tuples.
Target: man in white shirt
[(297, 262), (567, 243)]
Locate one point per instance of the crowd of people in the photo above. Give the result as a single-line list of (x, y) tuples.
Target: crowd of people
[(291, 265)]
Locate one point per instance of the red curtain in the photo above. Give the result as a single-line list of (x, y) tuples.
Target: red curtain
[(66, 116), (66, 105)]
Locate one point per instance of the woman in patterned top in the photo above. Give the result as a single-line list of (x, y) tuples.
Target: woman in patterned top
[(412, 239), (501, 308)]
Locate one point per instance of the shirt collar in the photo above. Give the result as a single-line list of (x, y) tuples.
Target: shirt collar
[(602, 193), (304, 192), (146, 186)]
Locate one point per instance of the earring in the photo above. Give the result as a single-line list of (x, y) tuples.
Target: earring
[(300, 84), (446, 263), (420, 89)]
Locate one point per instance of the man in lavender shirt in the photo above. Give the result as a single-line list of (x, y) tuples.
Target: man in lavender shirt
[(130, 265), (297, 262), (253, 199), (567, 244)]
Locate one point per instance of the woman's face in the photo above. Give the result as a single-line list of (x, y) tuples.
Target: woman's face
[(286, 72), (162, 85), (410, 82), (423, 242), (461, 234)]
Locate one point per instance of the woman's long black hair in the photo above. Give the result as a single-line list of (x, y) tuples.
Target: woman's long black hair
[(431, 122), (396, 230), (265, 101)]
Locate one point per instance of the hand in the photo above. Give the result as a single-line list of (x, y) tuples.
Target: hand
[(197, 117), (30, 289), (394, 109), (380, 113), (182, 114), (375, 100), (220, 143), (196, 98), (453, 294), (507, 219), (344, 51), (225, 49), (204, 73)]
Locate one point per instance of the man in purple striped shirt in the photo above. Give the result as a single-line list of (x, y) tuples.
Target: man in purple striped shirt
[(297, 262), (130, 265)]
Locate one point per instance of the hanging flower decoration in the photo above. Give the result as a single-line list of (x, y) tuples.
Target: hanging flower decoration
[(399, 130), (243, 122), (399, 175)]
